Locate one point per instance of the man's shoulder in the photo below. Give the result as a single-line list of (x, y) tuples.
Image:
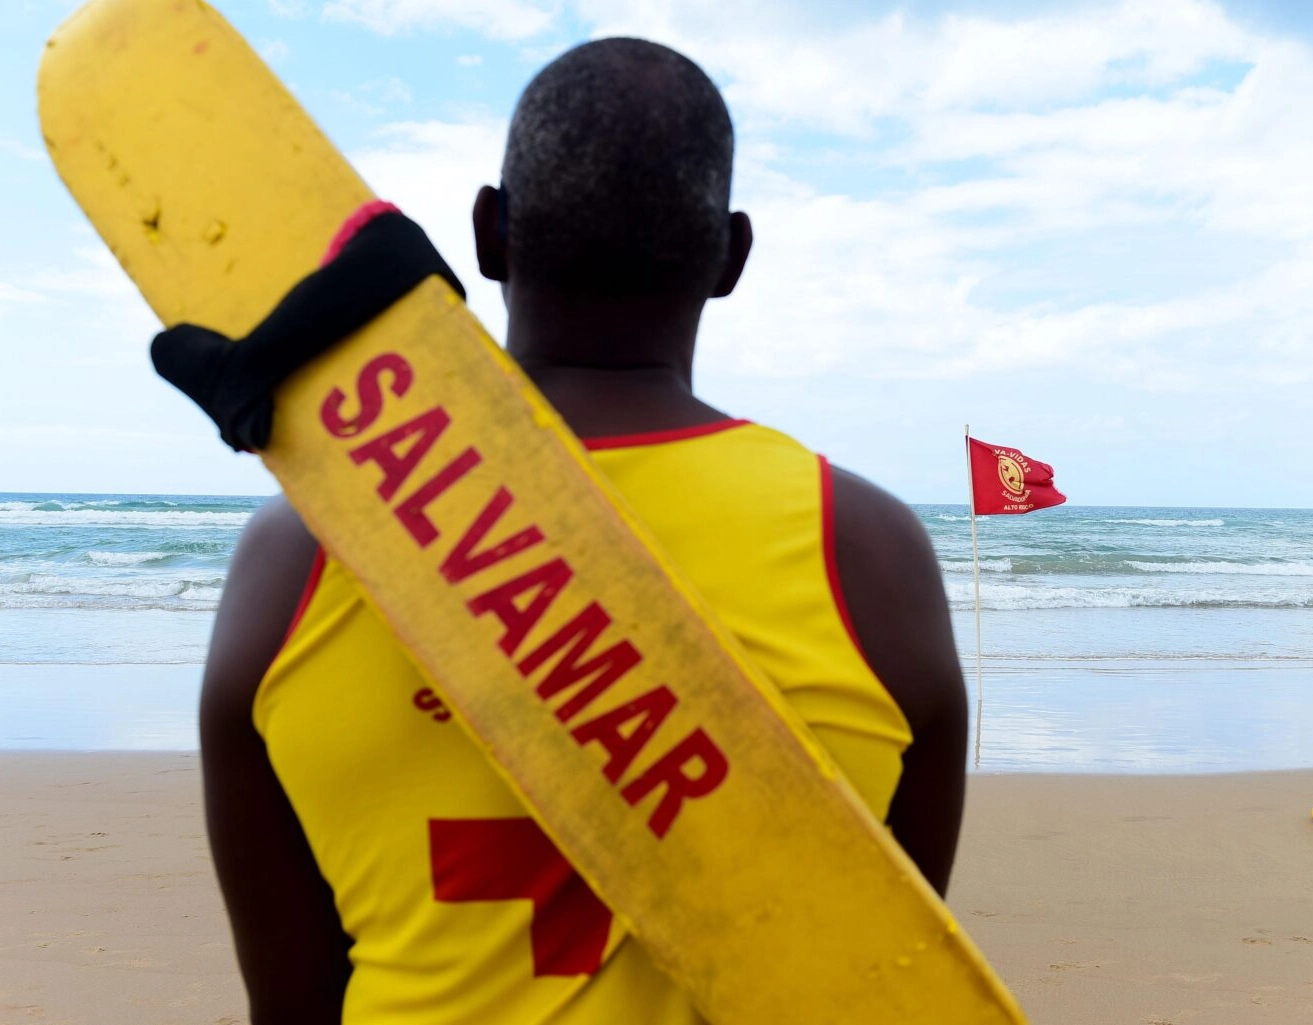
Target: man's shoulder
[(272, 560), (868, 516), (266, 579), (895, 593), (274, 528)]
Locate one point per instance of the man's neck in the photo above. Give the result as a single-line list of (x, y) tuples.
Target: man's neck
[(610, 367)]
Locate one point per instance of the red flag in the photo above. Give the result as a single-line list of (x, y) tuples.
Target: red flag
[(1005, 481)]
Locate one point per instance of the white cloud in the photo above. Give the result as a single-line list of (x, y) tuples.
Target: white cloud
[(1010, 133), (13, 294), (92, 273), (469, 60), (13, 148), (373, 99), (501, 19), (887, 290), (432, 170), (75, 437), (389, 90), (275, 51), (1078, 124), (843, 74)]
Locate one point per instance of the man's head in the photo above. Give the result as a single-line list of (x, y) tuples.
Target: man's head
[(616, 180)]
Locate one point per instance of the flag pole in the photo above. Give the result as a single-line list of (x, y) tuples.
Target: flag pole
[(975, 560)]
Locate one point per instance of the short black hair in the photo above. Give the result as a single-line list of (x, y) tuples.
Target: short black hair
[(617, 173)]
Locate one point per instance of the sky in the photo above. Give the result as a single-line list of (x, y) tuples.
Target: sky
[(1084, 229)]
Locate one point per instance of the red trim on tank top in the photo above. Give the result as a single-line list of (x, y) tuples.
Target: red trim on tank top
[(307, 592), (660, 437), (831, 559)]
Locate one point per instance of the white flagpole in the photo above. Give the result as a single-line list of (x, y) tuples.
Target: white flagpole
[(975, 559)]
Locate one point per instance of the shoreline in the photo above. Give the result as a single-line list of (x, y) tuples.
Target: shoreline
[(1100, 899), (1053, 713)]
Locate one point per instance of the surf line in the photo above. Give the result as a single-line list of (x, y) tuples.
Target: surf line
[(689, 769)]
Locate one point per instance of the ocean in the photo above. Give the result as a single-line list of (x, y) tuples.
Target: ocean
[(1113, 639)]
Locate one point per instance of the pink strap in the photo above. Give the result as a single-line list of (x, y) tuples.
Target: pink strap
[(354, 223)]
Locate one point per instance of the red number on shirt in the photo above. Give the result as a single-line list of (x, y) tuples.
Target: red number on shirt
[(512, 859)]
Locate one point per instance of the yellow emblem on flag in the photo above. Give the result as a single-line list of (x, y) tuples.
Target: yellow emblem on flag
[(1010, 473)]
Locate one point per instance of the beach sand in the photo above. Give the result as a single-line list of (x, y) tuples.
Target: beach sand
[(1144, 900), (1102, 900)]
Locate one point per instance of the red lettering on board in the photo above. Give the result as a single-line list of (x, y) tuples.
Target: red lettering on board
[(669, 770), (394, 458), (650, 710), (370, 392), (410, 510), (693, 768), (544, 582), (463, 561), (605, 668)]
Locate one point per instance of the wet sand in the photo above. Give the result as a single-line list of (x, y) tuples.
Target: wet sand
[(1102, 900)]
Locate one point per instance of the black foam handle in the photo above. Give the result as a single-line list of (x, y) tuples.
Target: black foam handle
[(234, 383)]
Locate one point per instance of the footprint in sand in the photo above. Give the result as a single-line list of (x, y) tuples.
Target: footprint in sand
[(1261, 994), (1257, 940)]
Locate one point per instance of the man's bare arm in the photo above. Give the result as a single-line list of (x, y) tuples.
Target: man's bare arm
[(891, 582), (290, 944)]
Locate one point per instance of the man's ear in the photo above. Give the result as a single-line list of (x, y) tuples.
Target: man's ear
[(740, 244), (490, 234)]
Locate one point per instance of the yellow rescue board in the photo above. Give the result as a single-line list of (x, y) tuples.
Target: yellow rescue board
[(773, 896)]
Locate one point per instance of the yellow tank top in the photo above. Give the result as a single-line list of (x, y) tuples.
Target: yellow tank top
[(461, 911)]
